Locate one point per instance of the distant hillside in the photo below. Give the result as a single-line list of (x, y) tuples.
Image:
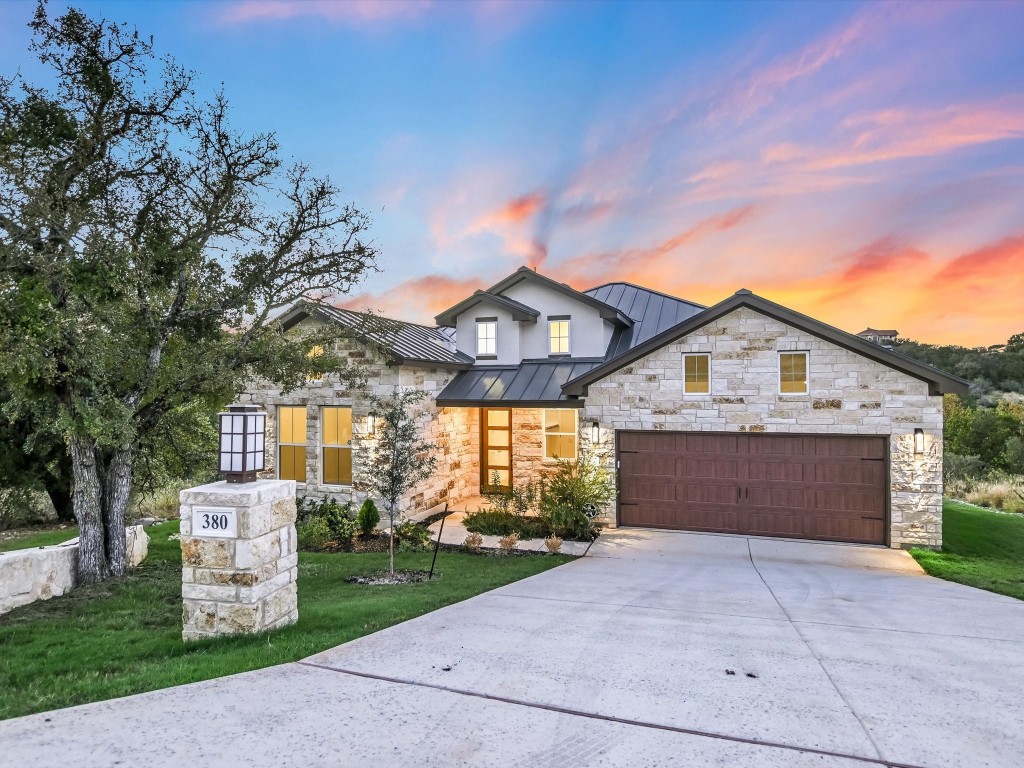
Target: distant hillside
[(991, 369)]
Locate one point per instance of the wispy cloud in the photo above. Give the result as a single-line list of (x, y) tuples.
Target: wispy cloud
[(352, 12)]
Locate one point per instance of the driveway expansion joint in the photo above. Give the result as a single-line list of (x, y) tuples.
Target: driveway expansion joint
[(612, 719)]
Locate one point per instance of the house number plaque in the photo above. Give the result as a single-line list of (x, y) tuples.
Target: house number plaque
[(215, 522)]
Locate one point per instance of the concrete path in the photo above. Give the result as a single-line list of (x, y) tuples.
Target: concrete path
[(839, 657)]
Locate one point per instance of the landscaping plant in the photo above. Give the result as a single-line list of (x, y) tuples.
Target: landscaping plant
[(473, 542), (368, 518), (396, 458), (508, 543)]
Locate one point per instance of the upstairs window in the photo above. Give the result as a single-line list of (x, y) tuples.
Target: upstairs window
[(315, 351), (291, 443), (336, 445), (793, 373), (487, 337), (560, 433), (558, 335), (696, 374)]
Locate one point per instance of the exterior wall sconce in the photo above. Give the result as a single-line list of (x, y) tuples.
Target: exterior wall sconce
[(595, 432), (918, 441), (242, 442), (371, 422)]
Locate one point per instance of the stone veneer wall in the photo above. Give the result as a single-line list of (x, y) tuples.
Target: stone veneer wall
[(849, 394), (455, 431)]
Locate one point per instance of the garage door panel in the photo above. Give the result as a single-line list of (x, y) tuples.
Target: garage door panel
[(799, 486)]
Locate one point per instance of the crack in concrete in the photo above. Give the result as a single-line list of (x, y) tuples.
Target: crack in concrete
[(612, 719)]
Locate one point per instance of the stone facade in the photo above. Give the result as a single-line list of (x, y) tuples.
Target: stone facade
[(247, 583), (27, 575), (848, 394), (453, 430)]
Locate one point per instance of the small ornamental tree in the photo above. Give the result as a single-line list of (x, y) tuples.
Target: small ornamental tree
[(396, 458)]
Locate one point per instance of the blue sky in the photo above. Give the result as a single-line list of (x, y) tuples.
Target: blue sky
[(860, 162)]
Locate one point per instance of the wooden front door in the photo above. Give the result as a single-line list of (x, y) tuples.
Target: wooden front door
[(831, 488), (495, 448)]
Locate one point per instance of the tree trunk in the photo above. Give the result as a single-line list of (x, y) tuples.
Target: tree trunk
[(88, 503), (391, 538), (117, 489)]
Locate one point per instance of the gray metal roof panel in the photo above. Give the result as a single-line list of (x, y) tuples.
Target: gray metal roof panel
[(532, 383)]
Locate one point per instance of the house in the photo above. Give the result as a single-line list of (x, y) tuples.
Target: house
[(885, 338), (742, 417)]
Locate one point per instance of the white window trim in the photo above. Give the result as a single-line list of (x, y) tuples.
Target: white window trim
[(322, 445), (278, 443), (544, 432), (480, 323), (807, 368), (568, 337), (710, 374)]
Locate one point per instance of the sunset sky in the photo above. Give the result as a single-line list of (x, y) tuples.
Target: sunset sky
[(863, 163)]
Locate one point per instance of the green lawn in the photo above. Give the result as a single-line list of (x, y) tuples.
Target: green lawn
[(124, 637), (980, 548), (44, 538)]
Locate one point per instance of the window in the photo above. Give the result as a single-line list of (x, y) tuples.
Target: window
[(558, 335), (336, 446), (487, 337), (560, 434), (696, 374), (314, 352), (793, 373), (291, 443)]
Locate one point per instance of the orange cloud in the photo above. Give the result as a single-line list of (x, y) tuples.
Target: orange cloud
[(416, 300), (513, 212), (343, 11)]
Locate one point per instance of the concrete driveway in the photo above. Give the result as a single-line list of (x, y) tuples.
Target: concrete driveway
[(656, 649)]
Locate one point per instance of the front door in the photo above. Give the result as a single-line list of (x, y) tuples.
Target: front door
[(495, 448)]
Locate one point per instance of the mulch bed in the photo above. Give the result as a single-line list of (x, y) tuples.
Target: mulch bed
[(384, 578)]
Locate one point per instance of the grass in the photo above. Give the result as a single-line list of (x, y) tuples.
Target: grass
[(29, 538), (124, 637), (980, 548)]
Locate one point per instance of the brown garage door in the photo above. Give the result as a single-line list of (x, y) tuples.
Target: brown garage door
[(796, 486)]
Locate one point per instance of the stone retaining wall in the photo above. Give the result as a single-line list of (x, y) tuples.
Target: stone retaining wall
[(27, 575)]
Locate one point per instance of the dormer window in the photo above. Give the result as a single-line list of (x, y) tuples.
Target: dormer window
[(486, 337), (558, 335)]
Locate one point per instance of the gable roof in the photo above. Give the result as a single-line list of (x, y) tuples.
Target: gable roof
[(520, 311), (651, 312), (607, 311), (876, 332), (405, 343), (938, 381)]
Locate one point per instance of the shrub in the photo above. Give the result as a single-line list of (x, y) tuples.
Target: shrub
[(553, 544), (412, 536), (497, 523), (313, 533), (518, 500), (368, 518), (960, 474), (576, 485), (508, 543), (473, 542)]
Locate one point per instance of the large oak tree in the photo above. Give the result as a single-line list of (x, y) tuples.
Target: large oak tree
[(145, 247)]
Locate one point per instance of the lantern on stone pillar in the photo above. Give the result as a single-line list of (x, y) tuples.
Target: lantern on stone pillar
[(242, 443)]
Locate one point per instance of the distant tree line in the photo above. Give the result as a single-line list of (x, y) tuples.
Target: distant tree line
[(984, 430)]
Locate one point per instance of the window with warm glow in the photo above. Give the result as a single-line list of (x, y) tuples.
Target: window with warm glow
[(486, 337), (696, 374), (793, 373), (336, 445), (558, 335), (291, 443), (314, 352), (560, 433)]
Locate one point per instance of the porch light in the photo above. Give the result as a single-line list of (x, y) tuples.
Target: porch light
[(371, 422), (595, 432), (918, 440), (242, 437)]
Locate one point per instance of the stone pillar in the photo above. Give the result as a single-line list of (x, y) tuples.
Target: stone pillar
[(239, 558)]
